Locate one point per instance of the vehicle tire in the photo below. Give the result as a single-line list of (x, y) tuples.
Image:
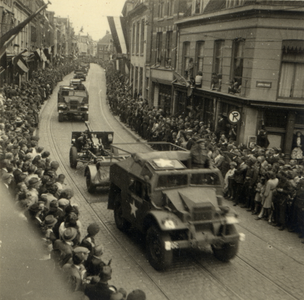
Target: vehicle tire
[(226, 251), (90, 185), (121, 223), (159, 258), (73, 157), (60, 118), (86, 117)]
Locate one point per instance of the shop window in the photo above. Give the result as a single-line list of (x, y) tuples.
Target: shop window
[(237, 66), (300, 118), (275, 118), (159, 41), (168, 48), (292, 70)]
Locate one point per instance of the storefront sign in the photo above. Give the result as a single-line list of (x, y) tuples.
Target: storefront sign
[(234, 117), (264, 84)]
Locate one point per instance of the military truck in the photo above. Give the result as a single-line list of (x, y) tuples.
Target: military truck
[(173, 205), (72, 102)]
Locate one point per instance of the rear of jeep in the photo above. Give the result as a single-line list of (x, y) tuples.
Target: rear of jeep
[(176, 208)]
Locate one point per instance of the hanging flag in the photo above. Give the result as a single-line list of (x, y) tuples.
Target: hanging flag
[(37, 54), (119, 34), (6, 38), (43, 57), (19, 61)]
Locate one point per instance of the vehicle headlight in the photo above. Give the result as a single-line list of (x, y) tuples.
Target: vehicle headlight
[(84, 107), (168, 223)]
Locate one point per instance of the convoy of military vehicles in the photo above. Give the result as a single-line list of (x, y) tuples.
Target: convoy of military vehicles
[(155, 192)]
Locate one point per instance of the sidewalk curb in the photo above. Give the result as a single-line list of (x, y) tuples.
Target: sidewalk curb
[(137, 137)]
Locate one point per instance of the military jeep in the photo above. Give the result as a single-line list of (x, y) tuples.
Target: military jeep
[(173, 205)]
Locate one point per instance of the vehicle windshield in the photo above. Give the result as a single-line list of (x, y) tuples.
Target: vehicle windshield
[(205, 179), (79, 93), (172, 180)]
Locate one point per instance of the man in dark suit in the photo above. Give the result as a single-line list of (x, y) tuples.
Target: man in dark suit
[(101, 289), (239, 178)]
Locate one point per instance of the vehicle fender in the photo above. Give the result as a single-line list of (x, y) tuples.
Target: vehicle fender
[(166, 221), (92, 170)]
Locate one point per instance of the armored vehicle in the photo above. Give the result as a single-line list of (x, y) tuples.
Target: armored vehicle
[(173, 205), (73, 101)]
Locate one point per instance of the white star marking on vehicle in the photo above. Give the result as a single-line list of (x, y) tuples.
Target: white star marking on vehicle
[(133, 209), (163, 163)]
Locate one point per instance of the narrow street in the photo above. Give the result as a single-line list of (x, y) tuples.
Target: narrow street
[(269, 264)]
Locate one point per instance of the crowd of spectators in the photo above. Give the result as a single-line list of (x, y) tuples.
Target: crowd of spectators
[(256, 176), (29, 176)]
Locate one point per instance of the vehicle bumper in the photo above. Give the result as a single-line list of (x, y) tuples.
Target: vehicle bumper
[(201, 242)]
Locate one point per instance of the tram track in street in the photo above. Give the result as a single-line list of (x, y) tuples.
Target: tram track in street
[(67, 171), (195, 263), (57, 156)]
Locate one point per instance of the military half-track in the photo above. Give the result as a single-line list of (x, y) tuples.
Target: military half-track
[(173, 205)]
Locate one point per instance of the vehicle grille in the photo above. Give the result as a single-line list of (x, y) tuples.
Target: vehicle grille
[(202, 213), (74, 104)]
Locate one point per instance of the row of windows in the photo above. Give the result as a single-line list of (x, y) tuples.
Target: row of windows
[(291, 84)]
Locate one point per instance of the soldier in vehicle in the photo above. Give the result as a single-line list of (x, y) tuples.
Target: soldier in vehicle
[(80, 87), (199, 155), (81, 141)]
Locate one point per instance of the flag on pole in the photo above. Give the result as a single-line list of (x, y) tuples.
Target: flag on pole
[(8, 37), (119, 34)]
